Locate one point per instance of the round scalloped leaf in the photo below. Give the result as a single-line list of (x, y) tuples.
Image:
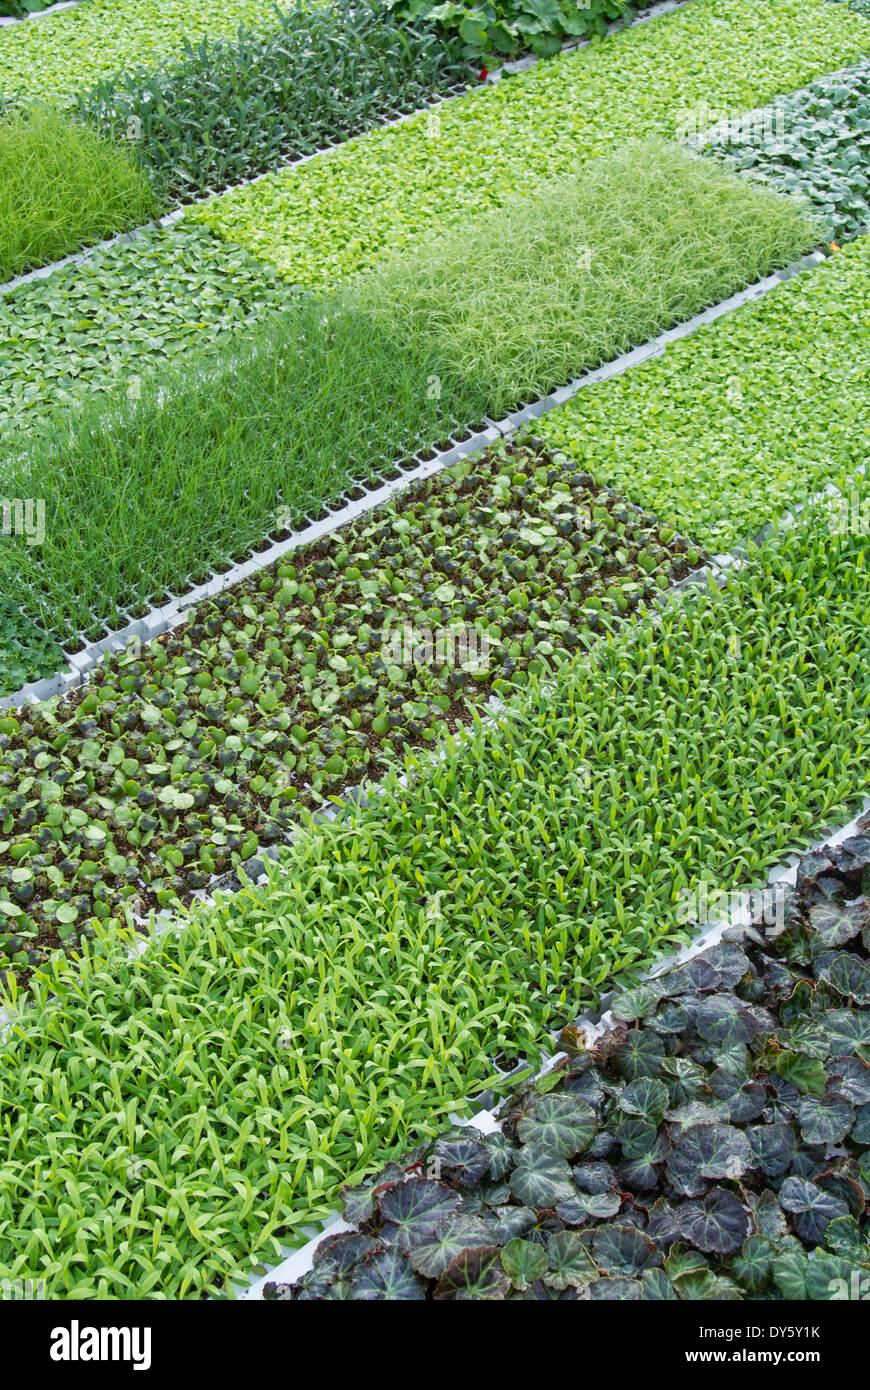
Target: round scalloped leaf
[(593, 1177), (359, 1202), (501, 1153), (569, 1263), (707, 1151), (835, 1277), (641, 1054), (636, 1003), (826, 1121), (846, 1030), (861, 1128), (541, 1179), (524, 1262), (387, 1276), (697, 976), (752, 1265), (413, 1208), (432, 1253), (623, 1249), (476, 1274), (463, 1161), (341, 1253), (563, 1124), (639, 1138), (657, 1287), (789, 1270), (730, 960), (598, 1206), (836, 923), (850, 1077), (844, 1237), (812, 1209), (726, 1021), (513, 1221), (718, 1225), (847, 973), (774, 1147), (647, 1096), (616, 1291)]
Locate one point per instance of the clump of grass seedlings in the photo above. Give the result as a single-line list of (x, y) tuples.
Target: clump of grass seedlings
[(62, 186), (528, 296)]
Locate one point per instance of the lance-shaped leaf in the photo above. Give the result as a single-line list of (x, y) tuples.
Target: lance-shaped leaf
[(540, 1178), (623, 1249), (825, 1121), (812, 1209), (647, 1096), (707, 1151), (752, 1265), (523, 1262), (569, 1264), (463, 1160), (836, 923), (387, 1276), (717, 1225), (774, 1147), (725, 1020), (476, 1274), (413, 1208), (641, 1054), (432, 1252), (563, 1124)]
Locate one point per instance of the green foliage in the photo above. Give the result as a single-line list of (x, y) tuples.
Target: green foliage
[(531, 294), (226, 110), (175, 766), (62, 187), (70, 50), (19, 8), (733, 424), (26, 653), (323, 221), (815, 145), (221, 1085), (766, 1199), (508, 27)]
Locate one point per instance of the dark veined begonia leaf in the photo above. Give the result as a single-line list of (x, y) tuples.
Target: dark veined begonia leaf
[(710, 1288), (432, 1252), (707, 1151), (730, 960), (752, 1265), (588, 1087), (342, 1252), (413, 1208), (697, 976), (789, 1271), (698, 1112), (769, 1217), (807, 1073), (543, 1293), (725, 1020), (663, 1226), (745, 1099), (501, 1152), (523, 1262), (825, 1121), (636, 1003), (476, 1274), (623, 1249), (387, 1276), (850, 1078), (642, 1174), (846, 1030), (563, 1124), (586, 1206), (638, 1137), (569, 1264), (774, 1146), (845, 972), (647, 1096), (359, 1202), (671, 1017), (657, 1287), (837, 923), (641, 1054), (844, 1182), (682, 1261), (812, 1209), (463, 1160), (616, 1291), (513, 1221), (717, 1225), (684, 1079), (861, 1128), (834, 1277), (540, 1178), (844, 1237), (593, 1177)]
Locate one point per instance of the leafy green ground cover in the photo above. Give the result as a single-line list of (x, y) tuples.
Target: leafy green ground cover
[(26, 653), (143, 495), (177, 765), (715, 1144), (814, 144), (195, 1103), (751, 413), (66, 51), (225, 110), (102, 324), (340, 213), (508, 27), (573, 274), (62, 187)]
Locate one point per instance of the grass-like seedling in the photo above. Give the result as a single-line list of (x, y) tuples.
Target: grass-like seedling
[(180, 763), (531, 294), (686, 1155), (62, 186), (338, 214), (748, 415), (199, 1100)]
